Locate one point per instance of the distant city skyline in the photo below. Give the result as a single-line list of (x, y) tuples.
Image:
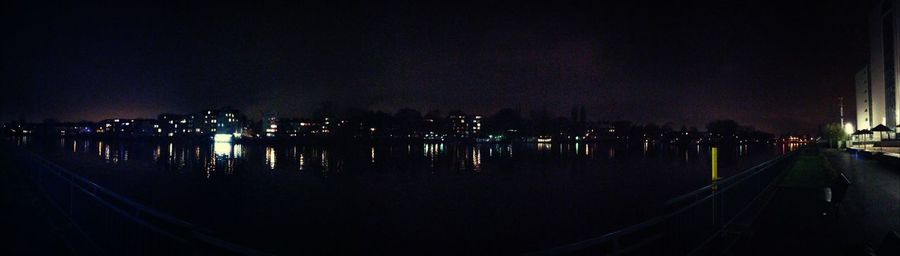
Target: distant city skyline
[(779, 66)]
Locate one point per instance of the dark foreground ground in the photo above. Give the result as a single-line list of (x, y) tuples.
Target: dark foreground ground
[(26, 225), (797, 221)]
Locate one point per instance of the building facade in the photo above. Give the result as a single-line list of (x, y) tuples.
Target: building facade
[(464, 126), (883, 67), (863, 100), (228, 121), (167, 124), (270, 124), (208, 121)]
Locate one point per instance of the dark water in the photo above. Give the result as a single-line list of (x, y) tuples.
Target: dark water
[(400, 198)]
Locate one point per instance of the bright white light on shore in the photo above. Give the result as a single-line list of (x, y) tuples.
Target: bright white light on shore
[(222, 138), (848, 128), (222, 149)]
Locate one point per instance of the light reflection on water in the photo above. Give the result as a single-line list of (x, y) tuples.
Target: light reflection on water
[(226, 157), (476, 158), (315, 182), (270, 158), (221, 149), (543, 146), (301, 163)]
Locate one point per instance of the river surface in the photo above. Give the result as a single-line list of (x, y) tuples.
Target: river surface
[(442, 198)]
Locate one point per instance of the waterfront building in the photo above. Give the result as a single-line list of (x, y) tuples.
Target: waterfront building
[(167, 124), (23, 129), (228, 121), (290, 127), (188, 125), (475, 125), (600, 131), (863, 100), (327, 126), (270, 124), (116, 127), (883, 70), (53, 128), (208, 121), (458, 125), (465, 126), (144, 127), (79, 128)]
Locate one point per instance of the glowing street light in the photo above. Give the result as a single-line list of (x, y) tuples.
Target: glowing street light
[(848, 128)]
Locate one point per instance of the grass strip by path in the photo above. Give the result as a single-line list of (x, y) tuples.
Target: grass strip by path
[(809, 170)]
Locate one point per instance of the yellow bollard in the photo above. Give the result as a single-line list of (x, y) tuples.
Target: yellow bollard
[(714, 152), (715, 163)]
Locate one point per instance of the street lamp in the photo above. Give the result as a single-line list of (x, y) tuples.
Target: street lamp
[(848, 130)]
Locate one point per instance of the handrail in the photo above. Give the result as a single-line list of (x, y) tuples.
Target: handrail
[(721, 188), (729, 180), (191, 232), (114, 195)]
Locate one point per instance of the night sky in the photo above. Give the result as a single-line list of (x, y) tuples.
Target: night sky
[(775, 65)]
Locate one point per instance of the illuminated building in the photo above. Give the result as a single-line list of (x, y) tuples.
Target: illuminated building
[(465, 126), (458, 125), (168, 125), (863, 100), (475, 125), (327, 125), (883, 66), (269, 125), (290, 127), (116, 127), (208, 121), (228, 121)]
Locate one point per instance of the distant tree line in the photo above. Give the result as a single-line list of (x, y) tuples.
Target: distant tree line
[(507, 124)]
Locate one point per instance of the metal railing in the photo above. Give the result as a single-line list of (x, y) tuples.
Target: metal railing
[(690, 220), (115, 224)]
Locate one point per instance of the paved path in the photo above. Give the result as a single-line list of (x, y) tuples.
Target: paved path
[(872, 205), (792, 223)]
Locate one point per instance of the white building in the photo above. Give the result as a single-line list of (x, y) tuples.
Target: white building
[(863, 100), (884, 71)]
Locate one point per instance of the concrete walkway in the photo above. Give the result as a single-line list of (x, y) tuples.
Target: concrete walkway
[(793, 222), (872, 205)]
